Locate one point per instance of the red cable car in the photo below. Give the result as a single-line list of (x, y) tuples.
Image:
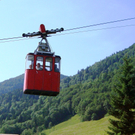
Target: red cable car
[(42, 73)]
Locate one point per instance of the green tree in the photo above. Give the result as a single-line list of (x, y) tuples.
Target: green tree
[(27, 132), (123, 102)]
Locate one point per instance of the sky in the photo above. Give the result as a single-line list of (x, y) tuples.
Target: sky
[(77, 50)]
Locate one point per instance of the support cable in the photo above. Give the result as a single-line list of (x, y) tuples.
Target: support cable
[(107, 28), (92, 25)]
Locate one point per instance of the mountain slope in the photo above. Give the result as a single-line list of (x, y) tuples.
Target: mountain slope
[(11, 84), (86, 93), (73, 126), (100, 69)]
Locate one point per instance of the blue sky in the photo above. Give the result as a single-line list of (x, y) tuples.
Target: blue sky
[(76, 50)]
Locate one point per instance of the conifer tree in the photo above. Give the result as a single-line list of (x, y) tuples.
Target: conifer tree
[(123, 102)]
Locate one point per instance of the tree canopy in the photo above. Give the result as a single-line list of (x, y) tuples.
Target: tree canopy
[(123, 101)]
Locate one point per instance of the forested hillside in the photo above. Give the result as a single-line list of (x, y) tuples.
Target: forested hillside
[(87, 93), (11, 84)]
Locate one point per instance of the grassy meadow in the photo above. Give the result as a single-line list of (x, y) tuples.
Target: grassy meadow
[(74, 126)]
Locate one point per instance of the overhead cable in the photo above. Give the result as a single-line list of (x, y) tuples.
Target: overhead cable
[(92, 25), (17, 39), (107, 28), (103, 23), (131, 25), (10, 38)]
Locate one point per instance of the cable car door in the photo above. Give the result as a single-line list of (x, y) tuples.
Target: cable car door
[(47, 84), (29, 73), (56, 76), (39, 73)]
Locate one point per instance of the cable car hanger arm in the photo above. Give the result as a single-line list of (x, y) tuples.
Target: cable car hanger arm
[(43, 32), (43, 47)]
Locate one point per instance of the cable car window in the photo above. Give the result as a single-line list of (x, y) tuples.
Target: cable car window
[(48, 64), (39, 63), (29, 61), (57, 64)]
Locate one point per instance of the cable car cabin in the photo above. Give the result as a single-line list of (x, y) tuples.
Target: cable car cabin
[(42, 75)]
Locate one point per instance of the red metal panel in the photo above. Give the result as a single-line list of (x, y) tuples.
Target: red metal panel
[(47, 82), (38, 85), (55, 78), (55, 81), (25, 84), (29, 79)]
